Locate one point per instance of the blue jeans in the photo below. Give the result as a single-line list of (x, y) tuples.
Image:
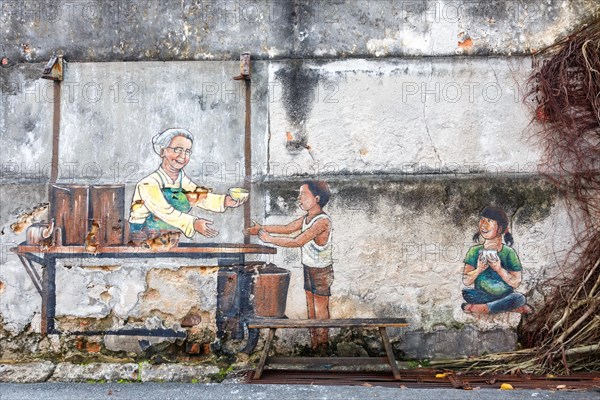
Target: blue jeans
[(495, 304)]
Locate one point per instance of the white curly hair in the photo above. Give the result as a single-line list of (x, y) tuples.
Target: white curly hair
[(163, 139)]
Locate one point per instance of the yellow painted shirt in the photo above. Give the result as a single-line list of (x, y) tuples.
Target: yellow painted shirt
[(149, 190)]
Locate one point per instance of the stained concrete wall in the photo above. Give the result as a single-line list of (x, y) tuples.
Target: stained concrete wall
[(413, 148), (399, 249), (136, 30), (404, 116)]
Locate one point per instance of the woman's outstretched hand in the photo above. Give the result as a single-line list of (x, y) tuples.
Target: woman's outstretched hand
[(254, 229), (231, 203), (202, 227)]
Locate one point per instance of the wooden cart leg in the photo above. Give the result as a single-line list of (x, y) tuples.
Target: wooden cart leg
[(389, 351), (265, 354)]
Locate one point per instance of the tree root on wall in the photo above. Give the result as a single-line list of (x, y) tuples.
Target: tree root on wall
[(563, 336)]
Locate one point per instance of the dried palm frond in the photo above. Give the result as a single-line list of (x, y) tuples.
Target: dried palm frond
[(563, 336)]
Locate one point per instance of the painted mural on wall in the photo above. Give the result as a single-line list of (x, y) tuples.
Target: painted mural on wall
[(493, 269), (312, 233), (161, 204), (162, 209)]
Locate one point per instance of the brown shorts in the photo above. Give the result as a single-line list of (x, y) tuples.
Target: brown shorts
[(318, 280)]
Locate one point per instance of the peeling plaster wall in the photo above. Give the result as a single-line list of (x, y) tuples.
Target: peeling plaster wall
[(405, 116), (134, 293), (146, 30), (413, 148)]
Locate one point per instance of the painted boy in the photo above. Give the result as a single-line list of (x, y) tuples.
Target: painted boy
[(313, 236)]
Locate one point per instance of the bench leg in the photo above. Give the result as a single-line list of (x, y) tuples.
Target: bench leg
[(265, 354), (390, 354)]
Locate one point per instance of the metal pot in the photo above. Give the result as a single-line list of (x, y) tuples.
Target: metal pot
[(39, 232)]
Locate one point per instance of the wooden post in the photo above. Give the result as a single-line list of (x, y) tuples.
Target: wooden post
[(390, 353), (245, 75), (265, 354), (248, 159)]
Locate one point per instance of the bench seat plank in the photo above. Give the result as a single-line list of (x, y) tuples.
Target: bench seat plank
[(327, 323)]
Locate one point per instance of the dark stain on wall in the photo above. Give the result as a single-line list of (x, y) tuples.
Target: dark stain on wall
[(299, 84), (13, 79), (526, 200), (111, 30)]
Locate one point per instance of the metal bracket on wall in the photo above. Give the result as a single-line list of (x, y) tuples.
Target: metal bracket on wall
[(54, 69)]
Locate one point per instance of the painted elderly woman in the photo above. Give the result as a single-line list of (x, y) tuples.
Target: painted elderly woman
[(162, 201)]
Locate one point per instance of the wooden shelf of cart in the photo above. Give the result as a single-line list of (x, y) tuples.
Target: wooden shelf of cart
[(183, 249)]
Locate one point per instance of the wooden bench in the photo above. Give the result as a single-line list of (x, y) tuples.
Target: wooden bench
[(274, 323)]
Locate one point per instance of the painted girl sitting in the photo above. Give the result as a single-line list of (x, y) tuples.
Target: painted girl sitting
[(494, 269)]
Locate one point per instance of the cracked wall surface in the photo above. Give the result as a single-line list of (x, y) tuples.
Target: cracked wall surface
[(402, 116), (109, 30)]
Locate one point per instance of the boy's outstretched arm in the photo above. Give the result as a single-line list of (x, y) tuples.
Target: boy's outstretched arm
[(292, 227), (300, 240)]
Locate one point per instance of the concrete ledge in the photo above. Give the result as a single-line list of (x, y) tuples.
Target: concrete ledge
[(46, 371), (34, 372), (178, 373), (98, 372)]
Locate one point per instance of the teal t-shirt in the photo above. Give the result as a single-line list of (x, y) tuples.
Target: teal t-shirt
[(489, 281)]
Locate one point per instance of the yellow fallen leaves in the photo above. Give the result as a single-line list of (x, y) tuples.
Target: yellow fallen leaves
[(441, 375), (506, 386)]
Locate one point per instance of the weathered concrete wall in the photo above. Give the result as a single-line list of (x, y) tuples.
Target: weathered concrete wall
[(403, 116), (399, 240), (399, 250), (413, 148), (25, 118), (136, 30)]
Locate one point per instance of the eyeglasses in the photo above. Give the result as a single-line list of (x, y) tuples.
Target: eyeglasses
[(180, 150)]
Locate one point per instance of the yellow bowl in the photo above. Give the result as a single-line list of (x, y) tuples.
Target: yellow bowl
[(238, 194)]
